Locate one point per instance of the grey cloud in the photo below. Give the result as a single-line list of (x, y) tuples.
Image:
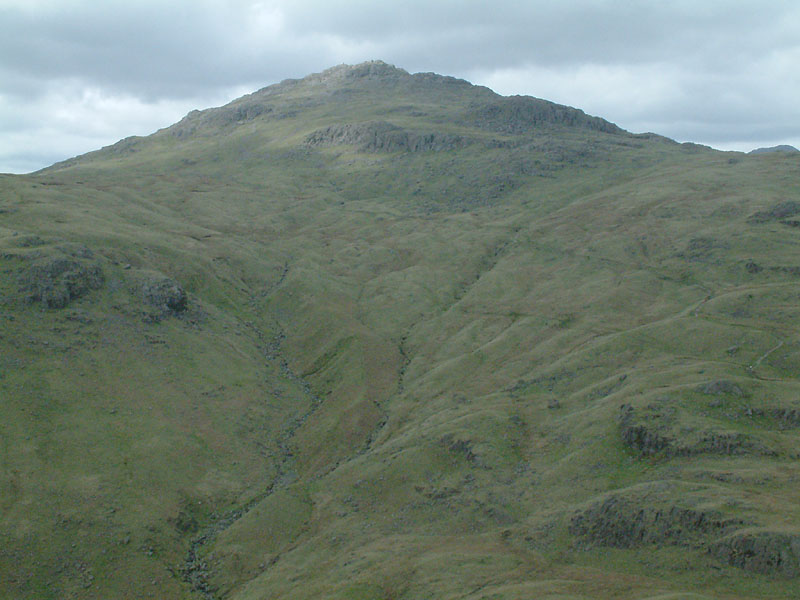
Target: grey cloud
[(157, 52), (553, 33), (172, 48)]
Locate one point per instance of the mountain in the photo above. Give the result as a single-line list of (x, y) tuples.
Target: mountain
[(375, 335), (781, 148)]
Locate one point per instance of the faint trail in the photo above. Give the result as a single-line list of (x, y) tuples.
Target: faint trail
[(758, 362), (700, 305)]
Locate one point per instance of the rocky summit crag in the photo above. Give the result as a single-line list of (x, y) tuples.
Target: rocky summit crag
[(379, 335)]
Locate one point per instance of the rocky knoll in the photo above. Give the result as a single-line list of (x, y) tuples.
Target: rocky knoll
[(55, 277), (624, 522), (522, 114), (761, 551)]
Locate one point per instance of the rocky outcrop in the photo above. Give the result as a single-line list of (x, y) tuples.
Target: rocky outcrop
[(782, 417), (753, 267), (785, 148), (55, 281), (787, 418), (523, 114), (459, 447), (643, 517), (372, 70), (378, 73), (702, 249), (231, 114), (724, 442), (783, 210), (164, 294), (655, 429), (720, 387), (381, 136), (794, 271), (765, 552), (644, 436), (622, 522)]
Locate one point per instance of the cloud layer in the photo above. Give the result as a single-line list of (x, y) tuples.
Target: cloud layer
[(77, 75)]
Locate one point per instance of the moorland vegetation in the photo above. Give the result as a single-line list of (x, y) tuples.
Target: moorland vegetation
[(377, 335)]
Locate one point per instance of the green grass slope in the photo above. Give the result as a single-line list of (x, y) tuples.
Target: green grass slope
[(377, 335)]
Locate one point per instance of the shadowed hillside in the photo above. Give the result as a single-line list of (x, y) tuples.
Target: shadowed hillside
[(374, 335)]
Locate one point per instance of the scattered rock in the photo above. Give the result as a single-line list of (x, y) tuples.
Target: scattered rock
[(79, 316), (788, 270), (753, 267), (702, 249), (462, 447), (765, 552), (76, 250), (433, 493)]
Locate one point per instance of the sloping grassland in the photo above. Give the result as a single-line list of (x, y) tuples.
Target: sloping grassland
[(381, 336)]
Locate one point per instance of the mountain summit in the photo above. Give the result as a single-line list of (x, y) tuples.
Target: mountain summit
[(368, 70), (781, 148), (372, 334), (376, 78)]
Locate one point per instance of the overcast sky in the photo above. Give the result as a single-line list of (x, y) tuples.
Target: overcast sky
[(76, 75)]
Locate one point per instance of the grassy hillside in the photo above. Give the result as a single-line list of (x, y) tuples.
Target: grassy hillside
[(387, 336)]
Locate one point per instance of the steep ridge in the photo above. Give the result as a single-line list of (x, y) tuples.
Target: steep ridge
[(369, 334)]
